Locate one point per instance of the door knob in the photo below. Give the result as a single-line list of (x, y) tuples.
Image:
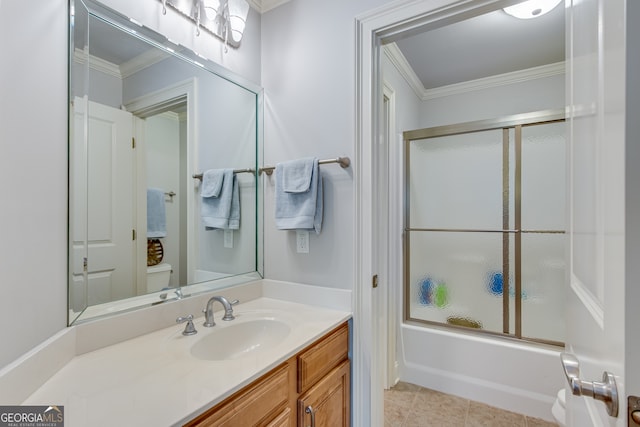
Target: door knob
[(605, 391)]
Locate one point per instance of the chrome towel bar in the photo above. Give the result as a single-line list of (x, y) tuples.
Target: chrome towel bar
[(247, 170), (344, 162)]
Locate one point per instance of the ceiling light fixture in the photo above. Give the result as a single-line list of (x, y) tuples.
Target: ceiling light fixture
[(531, 8)]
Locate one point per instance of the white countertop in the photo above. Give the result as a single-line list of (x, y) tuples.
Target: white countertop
[(153, 380)]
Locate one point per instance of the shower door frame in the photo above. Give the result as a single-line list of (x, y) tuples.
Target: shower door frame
[(516, 122)]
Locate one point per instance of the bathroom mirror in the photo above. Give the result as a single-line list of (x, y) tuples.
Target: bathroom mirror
[(146, 115)]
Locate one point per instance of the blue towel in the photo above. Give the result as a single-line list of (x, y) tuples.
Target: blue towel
[(156, 215), (296, 176), (222, 211), (302, 210), (212, 182)]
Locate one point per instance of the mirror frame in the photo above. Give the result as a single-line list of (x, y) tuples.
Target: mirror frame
[(158, 40)]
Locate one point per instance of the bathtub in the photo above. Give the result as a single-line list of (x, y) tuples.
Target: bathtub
[(514, 376)]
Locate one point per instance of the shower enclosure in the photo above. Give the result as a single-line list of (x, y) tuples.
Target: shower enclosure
[(484, 245)]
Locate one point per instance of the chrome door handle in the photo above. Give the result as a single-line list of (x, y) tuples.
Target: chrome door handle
[(605, 391), (309, 410)]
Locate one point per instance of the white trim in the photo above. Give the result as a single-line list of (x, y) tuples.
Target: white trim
[(126, 69), (142, 61), (393, 276), (590, 302), (97, 64), (263, 6), (397, 58), (497, 80)]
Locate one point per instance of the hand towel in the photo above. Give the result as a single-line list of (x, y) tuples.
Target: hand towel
[(222, 211), (302, 210), (296, 176), (156, 215), (212, 182)]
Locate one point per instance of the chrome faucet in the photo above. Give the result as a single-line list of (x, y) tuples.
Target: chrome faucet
[(228, 310)]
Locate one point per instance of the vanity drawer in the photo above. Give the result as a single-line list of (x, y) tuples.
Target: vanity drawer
[(322, 357), (257, 404)]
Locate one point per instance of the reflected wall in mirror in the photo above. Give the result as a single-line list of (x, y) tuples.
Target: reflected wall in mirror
[(145, 116)]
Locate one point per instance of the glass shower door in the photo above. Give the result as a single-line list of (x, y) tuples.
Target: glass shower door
[(484, 221)]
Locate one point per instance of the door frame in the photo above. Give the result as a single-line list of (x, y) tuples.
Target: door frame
[(392, 260), (386, 23), (148, 105)]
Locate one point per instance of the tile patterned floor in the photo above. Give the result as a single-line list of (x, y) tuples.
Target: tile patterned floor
[(409, 405)]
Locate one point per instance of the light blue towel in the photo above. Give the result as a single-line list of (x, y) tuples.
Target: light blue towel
[(301, 210), (156, 215), (212, 182), (296, 176), (222, 211)]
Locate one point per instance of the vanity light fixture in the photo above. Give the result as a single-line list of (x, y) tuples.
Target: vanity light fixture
[(224, 18), (531, 8)]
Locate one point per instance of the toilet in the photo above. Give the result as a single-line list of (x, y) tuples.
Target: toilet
[(158, 277), (558, 409)]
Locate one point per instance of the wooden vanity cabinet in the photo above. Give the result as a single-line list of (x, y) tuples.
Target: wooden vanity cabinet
[(326, 404), (323, 381), (318, 376)]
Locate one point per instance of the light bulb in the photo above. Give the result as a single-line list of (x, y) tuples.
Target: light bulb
[(211, 8), (238, 11)]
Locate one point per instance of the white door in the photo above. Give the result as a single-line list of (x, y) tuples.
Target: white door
[(110, 199), (596, 128)]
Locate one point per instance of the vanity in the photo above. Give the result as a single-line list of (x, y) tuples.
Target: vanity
[(278, 363), (313, 385)]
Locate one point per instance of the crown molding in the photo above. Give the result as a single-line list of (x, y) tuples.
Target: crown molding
[(126, 69), (263, 6), (142, 61), (95, 63), (505, 79), (399, 61), (402, 65)]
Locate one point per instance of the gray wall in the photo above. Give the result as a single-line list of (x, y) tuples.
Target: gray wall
[(308, 75), (33, 169)]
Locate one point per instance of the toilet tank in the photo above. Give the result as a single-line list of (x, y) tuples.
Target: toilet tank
[(158, 277)]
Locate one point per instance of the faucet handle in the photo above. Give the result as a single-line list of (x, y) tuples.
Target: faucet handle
[(189, 329)]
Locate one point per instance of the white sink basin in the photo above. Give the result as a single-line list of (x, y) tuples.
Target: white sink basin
[(240, 339)]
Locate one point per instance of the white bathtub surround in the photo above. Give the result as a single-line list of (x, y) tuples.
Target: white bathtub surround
[(154, 379), (506, 374)]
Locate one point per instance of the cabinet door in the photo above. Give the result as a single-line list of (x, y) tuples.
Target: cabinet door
[(328, 402)]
